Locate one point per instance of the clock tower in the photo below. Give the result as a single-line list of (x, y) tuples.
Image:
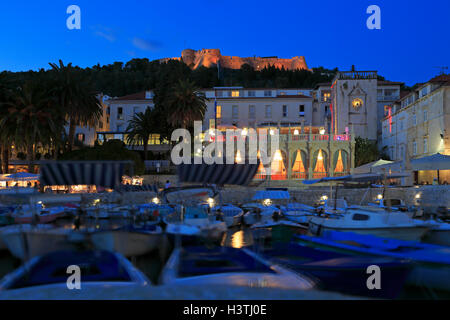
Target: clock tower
[(354, 103)]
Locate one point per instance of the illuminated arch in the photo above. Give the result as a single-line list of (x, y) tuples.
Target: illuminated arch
[(320, 164), (278, 169), (340, 162), (299, 165)]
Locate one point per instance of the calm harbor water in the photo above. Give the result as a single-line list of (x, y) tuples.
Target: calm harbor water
[(151, 264)]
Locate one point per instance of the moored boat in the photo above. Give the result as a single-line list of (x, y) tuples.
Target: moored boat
[(99, 270), (431, 263), (27, 241), (228, 266), (374, 221), (27, 214), (129, 241), (338, 271)]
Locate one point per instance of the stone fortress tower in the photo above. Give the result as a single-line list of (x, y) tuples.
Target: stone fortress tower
[(211, 57)]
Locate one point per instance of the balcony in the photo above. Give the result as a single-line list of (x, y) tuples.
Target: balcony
[(356, 75)]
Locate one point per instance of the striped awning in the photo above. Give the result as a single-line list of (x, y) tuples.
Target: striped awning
[(106, 174), (236, 174)]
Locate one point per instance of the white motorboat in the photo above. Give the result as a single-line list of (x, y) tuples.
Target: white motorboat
[(27, 241), (256, 212), (195, 221), (102, 275), (129, 241), (370, 220)]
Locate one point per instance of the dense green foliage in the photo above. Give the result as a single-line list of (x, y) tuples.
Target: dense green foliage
[(367, 151), (111, 150)]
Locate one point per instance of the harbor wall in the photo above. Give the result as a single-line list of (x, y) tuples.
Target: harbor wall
[(429, 197)]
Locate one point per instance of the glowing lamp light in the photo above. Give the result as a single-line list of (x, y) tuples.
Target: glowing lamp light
[(296, 132), (267, 202), (320, 157), (418, 196), (277, 156), (324, 197), (272, 132), (380, 196), (210, 202), (244, 132), (238, 157), (322, 131), (156, 200)]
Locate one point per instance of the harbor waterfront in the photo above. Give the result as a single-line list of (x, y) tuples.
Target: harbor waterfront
[(187, 219)]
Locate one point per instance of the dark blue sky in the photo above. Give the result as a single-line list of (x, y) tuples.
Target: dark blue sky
[(413, 40)]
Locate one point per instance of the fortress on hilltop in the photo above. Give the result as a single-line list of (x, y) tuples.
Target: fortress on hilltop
[(212, 57)]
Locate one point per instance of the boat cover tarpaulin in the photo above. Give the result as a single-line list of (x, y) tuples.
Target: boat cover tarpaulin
[(21, 176), (435, 162), (106, 174), (235, 174), (271, 194)]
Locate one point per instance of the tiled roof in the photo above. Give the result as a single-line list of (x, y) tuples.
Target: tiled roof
[(441, 78), (134, 96)]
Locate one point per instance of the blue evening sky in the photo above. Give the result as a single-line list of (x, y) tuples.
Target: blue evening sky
[(413, 40)]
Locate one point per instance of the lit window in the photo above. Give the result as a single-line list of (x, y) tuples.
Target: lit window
[(326, 96), (235, 93), (154, 139), (219, 112)]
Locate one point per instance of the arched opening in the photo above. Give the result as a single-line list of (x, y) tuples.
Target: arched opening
[(320, 164), (278, 166), (261, 173), (340, 163), (299, 165)]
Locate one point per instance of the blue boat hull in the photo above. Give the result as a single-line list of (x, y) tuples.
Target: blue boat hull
[(340, 272)]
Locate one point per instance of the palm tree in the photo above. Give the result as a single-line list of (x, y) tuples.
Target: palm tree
[(139, 129), (5, 140), (76, 97), (29, 120), (186, 104)]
